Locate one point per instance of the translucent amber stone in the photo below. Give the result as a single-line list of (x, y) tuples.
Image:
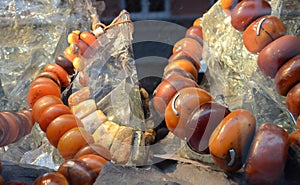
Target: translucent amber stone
[(52, 178)]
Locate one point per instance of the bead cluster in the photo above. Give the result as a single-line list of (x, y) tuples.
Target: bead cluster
[(232, 139)]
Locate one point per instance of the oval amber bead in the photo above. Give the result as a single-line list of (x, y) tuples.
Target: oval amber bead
[(72, 141), (60, 72), (60, 125), (95, 162), (51, 178)]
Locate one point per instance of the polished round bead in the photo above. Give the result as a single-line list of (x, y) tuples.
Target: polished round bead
[(51, 178)]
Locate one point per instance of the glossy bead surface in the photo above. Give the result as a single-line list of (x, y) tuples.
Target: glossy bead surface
[(51, 178), (14, 129), (167, 89), (178, 71), (70, 53), (50, 113), (278, 52), (246, 11), (182, 104), (187, 56), (293, 100), (89, 38), (287, 76), (201, 123), (261, 32), (77, 172), (79, 96), (65, 64), (95, 162), (40, 89), (72, 141), (42, 103), (267, 155), (52, 76), (183, 64), (60, 125), (228, 5), (190, 45), (230, 141), (60, 72), (96, 149), (195, 32)]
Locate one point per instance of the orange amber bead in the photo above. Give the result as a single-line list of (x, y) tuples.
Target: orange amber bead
[(195, 32), (51, 178), (95, 162), (77, 172), (60, 125), (73, 37), (50, 113), (197, 22), (42, 103), (60, 72), (187, 56), (88, 38), (72, 141), (38, 90), (52, 76), (71, 52), (183, 64), (190, 45)]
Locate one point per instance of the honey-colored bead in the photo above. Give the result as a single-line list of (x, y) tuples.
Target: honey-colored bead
[(51, 178), (72, 141), (183, 64), (36, 91), (78, 63), (190, 45), (50, 113), (187, 55), (246, 11), (261, 32), (95, 162), (60, 72), (228, 5), (77, 172), (42, 103), (73, 37), (70, 53), (96, 149), (60, 125)]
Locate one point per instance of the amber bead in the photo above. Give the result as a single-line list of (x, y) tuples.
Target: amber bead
[(85, 50), (50, 113), (178, 71), (267, 155), (167, 89), (65, 64), (231, 139), (77, 172), (72, 141), (79, 96), (51, 178), (190, 45), (293, 100), (228, 5), (42, 88), (261, 32), (246, 11), (13, 132), (42, 103), (187, 55), (278, 52), (183, 64), (70, 53), (4, 131), (52, 76), (195, 32), (95, 162), (21, 125), (60, 72), (60, 125), (181, 106), (89, 38), (287, 76), (73, 37), (27, 123), (96, 149)]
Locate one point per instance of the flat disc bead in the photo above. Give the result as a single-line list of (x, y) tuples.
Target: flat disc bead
[(21, 124), (51, 178), (245, 12), (293, 100), (13, 127), (72, 141), (61, 73), (26, 123), (195, 32), (60, 125), (50, 113), (4, 131), (41, 104), (77, 172), (187, 56), (39, 90), (190, 45), (52, 76), (261, 32), (278, 52)]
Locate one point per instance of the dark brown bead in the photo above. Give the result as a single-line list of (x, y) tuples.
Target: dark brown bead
[(94, 148), (51, 178), (65, 64), (77, 172)]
